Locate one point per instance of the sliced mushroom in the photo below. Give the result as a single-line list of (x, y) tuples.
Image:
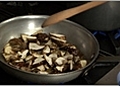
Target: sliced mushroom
[(38, 60), (8, 49), (35, 54), (62, 53), (34, 46), (59, 40), (60, 68), (41, 68), (53, 48), (19, 53), (38, 42), (24, 54), (73, 47), (60, 36), (26, 37), (25, 68), (53, 56), (28, 58), (21, 60), (11, 57), (42, 37), (30, 63), (60, 61), (73, 50), (71, 64), (17, 44), (49, 43), (14, 57), (43, 72), (48, 59), (46, 66), (76, 58), (7, 57), (83, 63), (46, 50), (68, 56)]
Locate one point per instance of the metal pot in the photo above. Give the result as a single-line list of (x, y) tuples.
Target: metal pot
[(105, 17), (75, 34)]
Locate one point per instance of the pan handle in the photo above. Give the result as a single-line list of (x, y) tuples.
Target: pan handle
[(85, 72)]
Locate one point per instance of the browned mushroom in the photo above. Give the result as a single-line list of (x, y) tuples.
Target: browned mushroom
[(42, 37), (27, 38), (35, 46)]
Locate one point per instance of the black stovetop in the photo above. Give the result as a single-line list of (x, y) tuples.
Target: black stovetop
[(109, 42)]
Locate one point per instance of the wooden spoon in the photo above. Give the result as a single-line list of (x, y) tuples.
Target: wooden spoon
[(55, 18)]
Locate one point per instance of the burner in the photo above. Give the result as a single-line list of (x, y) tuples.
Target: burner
[(117, 35), (99, 32), (109, 41), (115, 38), (104, 42)]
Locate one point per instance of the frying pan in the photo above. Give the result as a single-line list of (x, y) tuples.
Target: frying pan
[(76, 34)]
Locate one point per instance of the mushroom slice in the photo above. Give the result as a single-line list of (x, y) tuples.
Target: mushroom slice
[(46, 66), (73, 47), (62, 53), (34, 46), (19, 53), (60, 68), (26, 37), (38, 60), (28, 58), (21, 60), (7, 57), (61, 61), (61, 36), (29, 63), (48, 59), (53, 56), (24, 54), (41, 68), (58, 39), (8, 49), (83, 63), (49, 43), (46, 49), (71, 64), (68, 56), (43, 72), (24, 68), (42, 37), (35, 54), (76, 58), (38, 42)]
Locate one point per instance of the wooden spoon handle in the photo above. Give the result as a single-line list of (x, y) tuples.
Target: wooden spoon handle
[(55, 18)]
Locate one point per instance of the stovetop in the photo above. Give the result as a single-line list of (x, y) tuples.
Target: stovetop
[(103, 71)]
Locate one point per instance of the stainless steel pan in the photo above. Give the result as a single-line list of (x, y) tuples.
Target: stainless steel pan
[(75, 34)]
